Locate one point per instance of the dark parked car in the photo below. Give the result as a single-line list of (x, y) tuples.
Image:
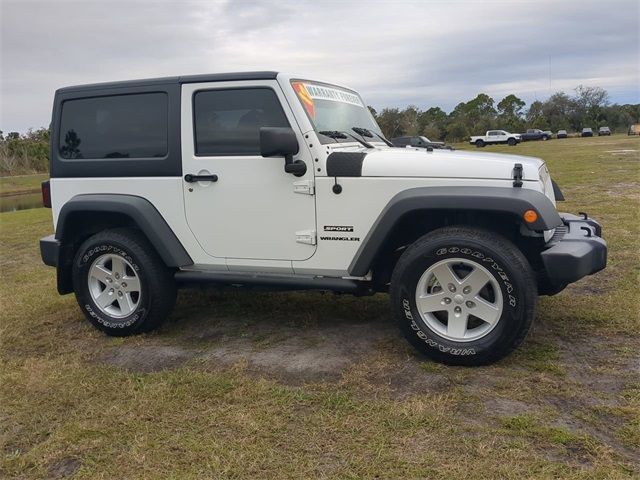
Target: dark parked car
[(419, 142), (562, 134), (604, 131), (535, 134), (586, 132)]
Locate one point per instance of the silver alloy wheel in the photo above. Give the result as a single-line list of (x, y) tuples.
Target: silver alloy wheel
[(114, 285), (459, 299)]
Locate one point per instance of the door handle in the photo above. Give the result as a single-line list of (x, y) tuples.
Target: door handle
[(190, 178)]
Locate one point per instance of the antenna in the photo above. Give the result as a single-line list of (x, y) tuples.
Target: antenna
[(549, 74)]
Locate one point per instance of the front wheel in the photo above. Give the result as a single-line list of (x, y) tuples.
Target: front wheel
[(121, 284), (479, 143), (463, 296), (511, 141)]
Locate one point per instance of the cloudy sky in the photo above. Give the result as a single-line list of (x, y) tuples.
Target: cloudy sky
[(394, 53)]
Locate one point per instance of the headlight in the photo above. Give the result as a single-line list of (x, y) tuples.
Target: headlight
[(545, 183)]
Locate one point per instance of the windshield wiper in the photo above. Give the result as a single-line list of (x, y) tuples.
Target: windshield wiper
[(363, 132), (332, 134), (335, 134)]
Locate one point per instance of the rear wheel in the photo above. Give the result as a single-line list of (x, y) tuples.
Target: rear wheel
[(479, 143), (463, 296), (121, 284)]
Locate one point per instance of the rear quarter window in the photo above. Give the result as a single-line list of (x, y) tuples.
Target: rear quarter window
[(116, 126)]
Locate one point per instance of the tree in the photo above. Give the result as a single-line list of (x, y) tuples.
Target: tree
[(433, 123), (511, 106), (559, 111), (590, 102), (477, 115), (510, 113), (410, 121), (390, 121), (535, 115)]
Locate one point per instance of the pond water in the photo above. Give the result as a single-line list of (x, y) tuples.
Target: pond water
[(12, 203)]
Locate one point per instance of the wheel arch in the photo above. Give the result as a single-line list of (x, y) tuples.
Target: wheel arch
[(87, 214), (414, 212)]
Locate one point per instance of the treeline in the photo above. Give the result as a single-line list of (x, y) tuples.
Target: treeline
[(26, 153), (588, 107)]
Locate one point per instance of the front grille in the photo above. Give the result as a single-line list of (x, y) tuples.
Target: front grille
[(559, 233)]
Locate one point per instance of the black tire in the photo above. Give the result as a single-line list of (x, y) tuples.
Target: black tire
[(157, 287), (545, 138), (512, 141), (479, 143), (501, 259)]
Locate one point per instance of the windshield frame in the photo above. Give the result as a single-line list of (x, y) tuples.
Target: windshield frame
[(323, 138)]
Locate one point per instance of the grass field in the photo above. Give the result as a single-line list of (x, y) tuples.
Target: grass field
[(306, 385), (21, 184)]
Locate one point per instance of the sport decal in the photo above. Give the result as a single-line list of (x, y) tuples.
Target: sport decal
[(338, 228)]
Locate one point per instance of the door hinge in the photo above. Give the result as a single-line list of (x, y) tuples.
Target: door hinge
[(304, 186), (306, 236)]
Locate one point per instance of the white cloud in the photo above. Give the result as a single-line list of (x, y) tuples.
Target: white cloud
[(394, 53)]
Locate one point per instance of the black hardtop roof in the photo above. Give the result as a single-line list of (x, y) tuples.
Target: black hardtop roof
[(207, 77)]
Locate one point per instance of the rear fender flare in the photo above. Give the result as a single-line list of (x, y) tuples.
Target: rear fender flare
[(139, 210)]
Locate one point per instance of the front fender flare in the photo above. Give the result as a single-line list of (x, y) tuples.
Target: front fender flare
[(486, 199)]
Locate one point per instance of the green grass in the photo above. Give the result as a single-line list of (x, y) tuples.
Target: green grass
[(564, 405), (22, 183)]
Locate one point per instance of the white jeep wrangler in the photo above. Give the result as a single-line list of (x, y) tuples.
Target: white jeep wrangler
[(263, 179)]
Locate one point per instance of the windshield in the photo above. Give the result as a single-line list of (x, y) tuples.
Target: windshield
[(332, 108)]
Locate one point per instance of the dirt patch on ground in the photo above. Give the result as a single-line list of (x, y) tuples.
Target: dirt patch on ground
[(286, 346), (147, 358), (506, 407), (64, 468), (323, 352)]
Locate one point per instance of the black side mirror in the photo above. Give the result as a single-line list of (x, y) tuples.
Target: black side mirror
[(282, 142)]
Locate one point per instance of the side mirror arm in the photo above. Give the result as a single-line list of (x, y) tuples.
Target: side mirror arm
[(296, 167)]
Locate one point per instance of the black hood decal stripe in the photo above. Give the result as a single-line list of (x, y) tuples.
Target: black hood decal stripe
[(345, 164)]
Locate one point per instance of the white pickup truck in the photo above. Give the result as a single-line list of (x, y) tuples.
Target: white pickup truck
[(495, 137)]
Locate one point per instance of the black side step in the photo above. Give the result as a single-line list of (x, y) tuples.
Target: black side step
[(277, 282)]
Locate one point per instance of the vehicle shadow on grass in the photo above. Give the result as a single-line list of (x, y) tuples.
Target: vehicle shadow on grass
[(299, 338), (295, 337)]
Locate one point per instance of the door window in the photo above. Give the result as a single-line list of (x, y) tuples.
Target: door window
[(228, 122)]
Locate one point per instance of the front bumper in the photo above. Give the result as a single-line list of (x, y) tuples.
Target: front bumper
[(575, 251)]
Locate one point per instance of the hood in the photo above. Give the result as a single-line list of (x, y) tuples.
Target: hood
[(401, 162)]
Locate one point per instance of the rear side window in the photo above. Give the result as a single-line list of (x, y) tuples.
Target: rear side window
[(118, 126), (227, 122)]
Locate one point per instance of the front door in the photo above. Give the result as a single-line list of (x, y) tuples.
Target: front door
[(254, 210)]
